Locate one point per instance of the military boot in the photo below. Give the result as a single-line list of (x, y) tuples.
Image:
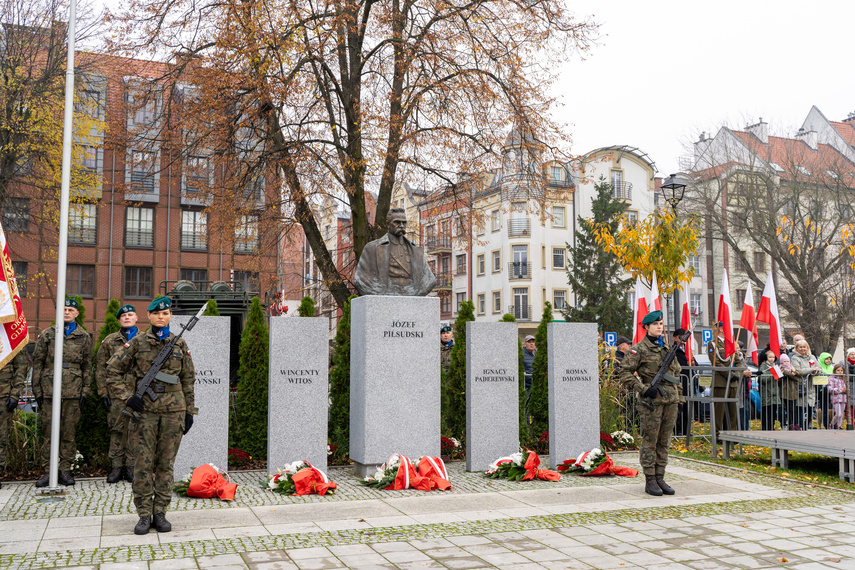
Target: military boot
[(651, 487), (115, 475), (129, 474), (65, 478), (43, 480), (143, 526), (160, 523), (666, 488)]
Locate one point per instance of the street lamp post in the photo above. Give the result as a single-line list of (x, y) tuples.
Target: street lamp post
[(675, 188)]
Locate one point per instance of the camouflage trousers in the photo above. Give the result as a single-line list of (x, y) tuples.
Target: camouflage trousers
[(69, 417), (5, 426), (121, 451), (155, 440), (656, 428), (721, 389)]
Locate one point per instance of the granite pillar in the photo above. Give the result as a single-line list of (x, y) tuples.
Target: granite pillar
[(574, 396), (298, 391), (492, 393), (394, 379), (208, 440)]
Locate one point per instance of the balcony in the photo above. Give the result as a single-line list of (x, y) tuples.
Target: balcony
[(622, 190), (438, 244), (519, 227), (520, 312), (460, 270), (444, 281), (519, 270)]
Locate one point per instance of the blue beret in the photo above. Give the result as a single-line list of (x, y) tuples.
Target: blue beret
[(160, 304), (125, 309), (652, 317), (72, 303)]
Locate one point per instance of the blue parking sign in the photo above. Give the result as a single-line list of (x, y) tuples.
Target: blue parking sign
[(611, 338), (706, 335)]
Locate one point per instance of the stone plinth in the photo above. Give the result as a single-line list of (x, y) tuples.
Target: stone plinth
[(208, 440), (574, 398), (492, 393), (394, 379), (298, 391)]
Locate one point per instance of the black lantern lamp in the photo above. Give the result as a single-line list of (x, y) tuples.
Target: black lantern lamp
[(676, 188)]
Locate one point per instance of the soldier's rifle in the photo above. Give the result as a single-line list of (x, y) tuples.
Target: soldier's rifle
[(144, 386), (663, 369)]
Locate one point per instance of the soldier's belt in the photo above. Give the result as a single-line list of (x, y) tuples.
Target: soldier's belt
[(166, 378), (162, 388), (71, 365), (670, 379)]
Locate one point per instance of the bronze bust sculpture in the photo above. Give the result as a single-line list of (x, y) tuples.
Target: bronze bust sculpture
[(392, 265)]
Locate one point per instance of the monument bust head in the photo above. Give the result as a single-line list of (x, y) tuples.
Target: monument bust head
[(392, 265)]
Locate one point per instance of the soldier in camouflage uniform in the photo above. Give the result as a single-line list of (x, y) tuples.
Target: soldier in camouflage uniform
[(121, 453), (12, 378), (637, 371), (157, 433), (76, 379), (725, 384)]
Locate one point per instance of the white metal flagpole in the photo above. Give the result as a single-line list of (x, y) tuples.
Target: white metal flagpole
[(65, 191)]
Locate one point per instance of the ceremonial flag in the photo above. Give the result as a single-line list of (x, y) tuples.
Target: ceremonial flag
[(777, 373), (640, 311), (655, 303), (767, 313), (724, 316), (13, 332), (686, 323), (748, 321)]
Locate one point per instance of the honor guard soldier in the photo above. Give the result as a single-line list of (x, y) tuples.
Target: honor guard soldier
[(637, 370), (158, 425), (121, 453), (725, 383), (76, 378), (12, 377)]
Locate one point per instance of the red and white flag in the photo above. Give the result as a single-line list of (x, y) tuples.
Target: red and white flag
[(686, 323), (654, 301), (13, 333), (767, 313), (777, 373), (724, 316), (748, 322), (639, 311)]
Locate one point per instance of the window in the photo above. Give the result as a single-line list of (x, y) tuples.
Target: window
[(559, 300), (497, 261), (199, 277), (445, 304), (543, 257), (738, 262), (497, 301), (521, 308), (481, 269), (617, 183), (695, 263), (139, 227), (246, 235), (16, 215), (461, 264), (739, 221), (558, 218), (253, 193), (480, 228), (20, 269), (142, 169), (558, 255), (81, 224), (194, 230), (90, 160), (631, 217), (461, 298), (555, 173), (759, 262), (482, 304), (197, 171), (630, 299), (248, 280), (740, 298), (495, 220), (327, 231), (80, 280), (89, 103), (520, 267), (138, 282), (695, 304)]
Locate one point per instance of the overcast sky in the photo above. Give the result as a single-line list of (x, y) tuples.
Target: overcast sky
[(666, 70)]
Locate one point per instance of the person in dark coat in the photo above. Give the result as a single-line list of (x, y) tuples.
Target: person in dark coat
[(687, 384)]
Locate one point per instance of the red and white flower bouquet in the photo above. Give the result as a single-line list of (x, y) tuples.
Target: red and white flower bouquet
[(594, 463), (300, 478), (516, 468)]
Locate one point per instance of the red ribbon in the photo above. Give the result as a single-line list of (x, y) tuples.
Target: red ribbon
[(433, 468), (532, 471), (207, 483), (311, 480), (406, 478)]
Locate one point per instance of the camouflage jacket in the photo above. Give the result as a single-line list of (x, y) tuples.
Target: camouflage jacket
[(76, 353), (715, 350), (112, 343), (13, 376), (135, 360), (645, 358)]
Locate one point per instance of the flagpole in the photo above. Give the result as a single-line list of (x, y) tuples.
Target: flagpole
[(65, 191)]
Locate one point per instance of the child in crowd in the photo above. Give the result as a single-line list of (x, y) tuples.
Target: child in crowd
[(837, 390), (789, 394)]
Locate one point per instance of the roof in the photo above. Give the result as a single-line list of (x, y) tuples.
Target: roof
[(794, 159), (846, 130), (624, 148)]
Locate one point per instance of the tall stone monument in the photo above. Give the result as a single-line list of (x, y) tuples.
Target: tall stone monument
[(298, 391), (492, 393), (574, 397), (208, 441)]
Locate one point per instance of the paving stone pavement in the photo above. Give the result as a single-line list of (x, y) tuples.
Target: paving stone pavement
[(719, 519)]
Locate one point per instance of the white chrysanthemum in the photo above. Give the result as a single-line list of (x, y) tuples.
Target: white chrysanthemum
[(517, 458), (456, 442)]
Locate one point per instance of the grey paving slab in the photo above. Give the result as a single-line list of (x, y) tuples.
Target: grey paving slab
[(454, 503), (324, 512)]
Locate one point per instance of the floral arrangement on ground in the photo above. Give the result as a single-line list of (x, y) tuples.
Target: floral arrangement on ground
[(300, 478), (595, 462), (206, 481), (520, 467)]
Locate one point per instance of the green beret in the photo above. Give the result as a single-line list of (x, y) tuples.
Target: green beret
[(125, 309), (446, 328), (72, 303), (652, 317), (160, 304)]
